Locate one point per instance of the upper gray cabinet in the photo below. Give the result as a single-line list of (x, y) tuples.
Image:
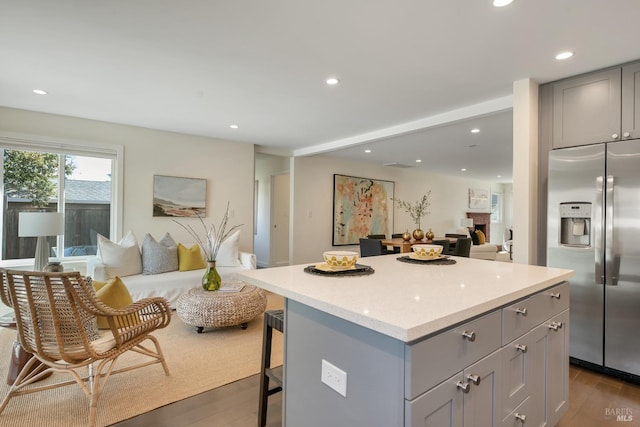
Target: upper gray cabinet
[(631, 101), (597, 107)]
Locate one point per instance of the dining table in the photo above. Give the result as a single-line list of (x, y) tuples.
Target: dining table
[(405, 245)]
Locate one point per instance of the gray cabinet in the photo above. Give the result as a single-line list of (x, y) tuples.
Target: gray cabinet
[(557, 375), (472, 398), (631, 101), (596, 107)]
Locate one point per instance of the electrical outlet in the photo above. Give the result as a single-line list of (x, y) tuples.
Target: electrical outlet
[(334, 377)]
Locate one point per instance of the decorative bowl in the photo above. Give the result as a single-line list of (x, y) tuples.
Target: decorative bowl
[(427, 251), (340, 260)]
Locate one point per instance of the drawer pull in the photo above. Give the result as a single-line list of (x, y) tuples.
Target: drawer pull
[(475, 379), (465, 387), (522, 311), (555, 325), (555, 295), (521, 347), (520, 417), (469, 335)]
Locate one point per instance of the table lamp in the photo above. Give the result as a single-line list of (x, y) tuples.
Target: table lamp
[(40, 225), (466, 222)]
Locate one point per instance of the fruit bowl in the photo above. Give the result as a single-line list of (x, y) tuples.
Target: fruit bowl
[(340, 260), (427, 251)]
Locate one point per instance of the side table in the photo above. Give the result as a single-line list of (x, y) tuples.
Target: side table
[(201, 308)]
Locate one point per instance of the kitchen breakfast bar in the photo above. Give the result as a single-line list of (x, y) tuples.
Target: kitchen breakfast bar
[(476, 343)]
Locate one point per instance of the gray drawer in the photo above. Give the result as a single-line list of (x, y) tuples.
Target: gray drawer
[(435, 359), (521, 317), (552, 301), (524, 410)]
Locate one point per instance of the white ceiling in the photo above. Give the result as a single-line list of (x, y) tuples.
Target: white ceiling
[(197, 66)]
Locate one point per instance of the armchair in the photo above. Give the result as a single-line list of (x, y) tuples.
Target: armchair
[(56, 321)]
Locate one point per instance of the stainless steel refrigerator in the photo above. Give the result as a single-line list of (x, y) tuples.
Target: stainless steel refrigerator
[(594, 228)]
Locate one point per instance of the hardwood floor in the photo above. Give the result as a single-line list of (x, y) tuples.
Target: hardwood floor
[(595, 400), (233, 405)]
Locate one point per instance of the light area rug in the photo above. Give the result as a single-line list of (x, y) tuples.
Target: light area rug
[(197, 363)]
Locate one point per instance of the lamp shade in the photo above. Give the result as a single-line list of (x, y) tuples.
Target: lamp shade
[(36, 224), (466, 222)]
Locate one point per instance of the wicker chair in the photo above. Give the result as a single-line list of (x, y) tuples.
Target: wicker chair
[(56, 321)]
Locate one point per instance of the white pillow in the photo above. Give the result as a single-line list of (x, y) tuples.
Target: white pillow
[(122, 258), (228, 253)]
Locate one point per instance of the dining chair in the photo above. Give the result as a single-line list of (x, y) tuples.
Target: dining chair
[(385, 249), (444, 243), (56, 321), (463, 247), (371, 247)]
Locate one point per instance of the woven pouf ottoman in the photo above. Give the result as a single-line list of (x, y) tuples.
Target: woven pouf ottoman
[(216, 309)]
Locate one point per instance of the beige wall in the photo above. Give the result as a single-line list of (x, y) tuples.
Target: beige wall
[(227, 166), (313, 193)]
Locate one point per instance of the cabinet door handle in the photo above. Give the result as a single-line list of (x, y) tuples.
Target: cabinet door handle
[(465, 387), (522, 311), (469, 335), (520, 417), (614, 136), (521, 347), (555, 295), (555, 325), (475, 379), (626, 134)]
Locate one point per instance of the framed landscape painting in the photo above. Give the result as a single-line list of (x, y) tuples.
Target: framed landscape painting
[(175, 196), (361, 206)]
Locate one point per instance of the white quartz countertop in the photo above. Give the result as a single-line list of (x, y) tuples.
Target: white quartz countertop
[(410, 301)]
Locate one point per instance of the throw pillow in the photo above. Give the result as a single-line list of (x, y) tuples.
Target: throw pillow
[(122, 258), (228, 252), (481, 237), (114, 294), (474, 238), (159, 257), (190, 258)]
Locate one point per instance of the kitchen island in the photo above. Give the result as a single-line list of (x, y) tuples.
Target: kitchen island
[(477, 343)]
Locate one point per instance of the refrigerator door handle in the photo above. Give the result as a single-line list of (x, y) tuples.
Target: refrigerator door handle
[(610, 279), (598, 225)]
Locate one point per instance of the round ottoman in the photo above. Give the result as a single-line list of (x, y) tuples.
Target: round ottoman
[(201, 308)]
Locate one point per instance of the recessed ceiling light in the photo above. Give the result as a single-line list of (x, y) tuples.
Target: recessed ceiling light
[(564, 55), (367, 151), (500, 3), (40, 91), (418, 161), (233, 126), (463, 169), (332, 81), (499, 176), (475, 130)]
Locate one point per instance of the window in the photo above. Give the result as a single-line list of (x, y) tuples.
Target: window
[(74, 180), (496, 207)]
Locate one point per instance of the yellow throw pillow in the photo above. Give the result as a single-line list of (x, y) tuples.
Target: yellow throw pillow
[(113, 293), (481, 237), (190, 258)]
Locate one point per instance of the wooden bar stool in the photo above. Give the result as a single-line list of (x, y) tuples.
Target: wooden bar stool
[(273, 319)]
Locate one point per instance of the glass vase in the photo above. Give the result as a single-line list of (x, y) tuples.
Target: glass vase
[(211, 280)]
